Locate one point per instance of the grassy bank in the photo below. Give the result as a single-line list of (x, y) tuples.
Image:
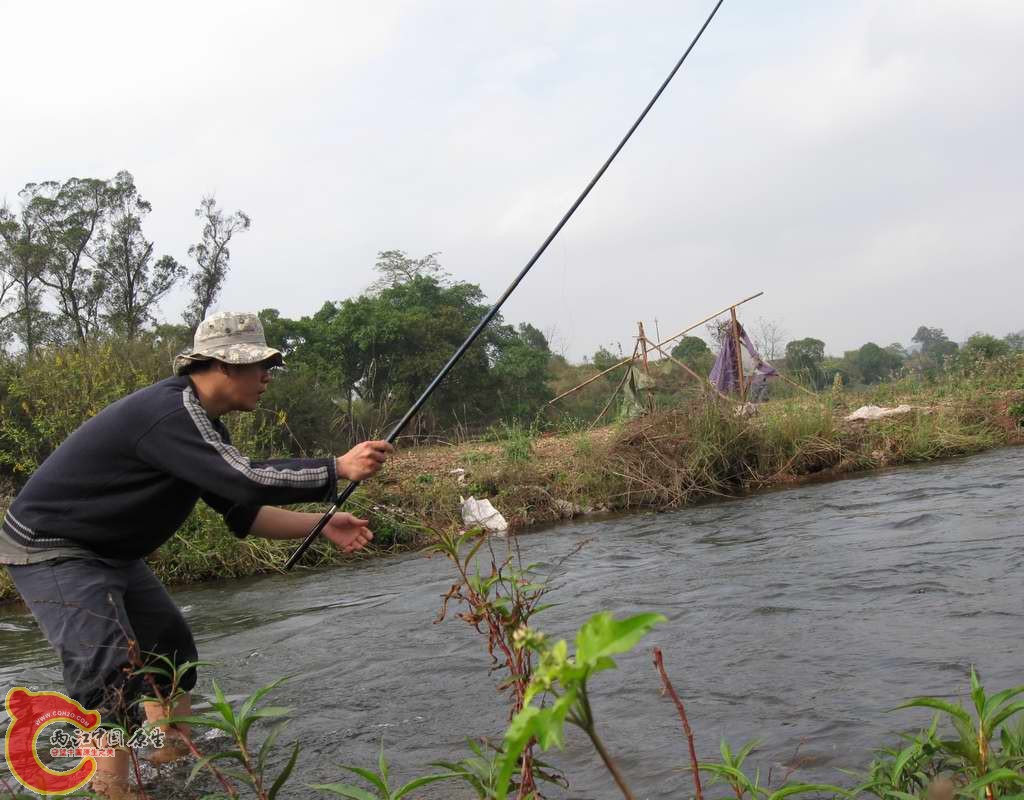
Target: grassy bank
[(698, 450)]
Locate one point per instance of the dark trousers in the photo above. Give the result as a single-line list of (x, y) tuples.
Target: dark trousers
[(105, 618)]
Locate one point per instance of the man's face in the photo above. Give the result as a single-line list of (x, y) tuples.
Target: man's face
[(247, 383)]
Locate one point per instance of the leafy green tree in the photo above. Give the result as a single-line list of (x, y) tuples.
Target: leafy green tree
[(282, 333), (395, 267), (875, 364), (521, 370), (1015, 341), (806, 356), (690, 350), (985, 346), (23, 257), (604, 358), (212, 256), (134, 285), (70, 218), (385, 346), (934, 342)]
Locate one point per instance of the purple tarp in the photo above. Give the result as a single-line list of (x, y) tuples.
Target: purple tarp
[(724, 374)]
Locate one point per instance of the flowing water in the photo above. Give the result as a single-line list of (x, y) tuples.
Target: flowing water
[(796, 617)]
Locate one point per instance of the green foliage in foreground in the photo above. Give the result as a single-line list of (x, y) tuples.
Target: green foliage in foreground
[(380, 783), (978, 754)]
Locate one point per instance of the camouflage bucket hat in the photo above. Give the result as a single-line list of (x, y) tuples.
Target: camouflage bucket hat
[(231, 337)]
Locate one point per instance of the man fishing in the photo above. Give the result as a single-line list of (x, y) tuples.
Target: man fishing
[(76, 535)]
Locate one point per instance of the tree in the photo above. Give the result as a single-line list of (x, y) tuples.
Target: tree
[(133, 284), (395, 268), (70, 219), (806, 356), (934, 342), (212, 256), (520, 369), (875, 364), (385, 348), (604, 358), (690, 350), (985, 346), (768, 337), (23, 257), (1015, 341)]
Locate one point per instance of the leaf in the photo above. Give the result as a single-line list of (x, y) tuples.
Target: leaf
[(1005, 714), (222, 705), (602, 635), (285, 773), (977, 693), (518, 733), (933, 702), (344, 790), (803, 788), (902, 760), (746, 750), (369, 776), (424, 781), (268, 744), (260, 713), (205, 760), (382, 765), (204, 722), (995, 776), (996, 700), (259, 694)]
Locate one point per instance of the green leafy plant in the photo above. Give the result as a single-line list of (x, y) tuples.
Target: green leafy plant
[(237, 724), (379, 781), (563, 679), (899, 773), (730, 770), (986, 768), (482, 769), (516, 440), (499, 603)]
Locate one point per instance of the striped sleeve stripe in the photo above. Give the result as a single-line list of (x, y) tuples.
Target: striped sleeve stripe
[(24, 534), (309, 477)]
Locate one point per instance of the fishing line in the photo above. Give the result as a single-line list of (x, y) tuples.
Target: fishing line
[(353, 485)]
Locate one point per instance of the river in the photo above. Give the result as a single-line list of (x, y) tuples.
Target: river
[(796, 617)]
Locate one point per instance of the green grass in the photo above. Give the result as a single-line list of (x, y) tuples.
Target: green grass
[(691, 452)]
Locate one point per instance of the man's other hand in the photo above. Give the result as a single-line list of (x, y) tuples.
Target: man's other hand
[(363, 460), (347, 532)]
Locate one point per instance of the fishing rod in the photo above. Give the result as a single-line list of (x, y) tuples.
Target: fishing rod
[(353, 485)]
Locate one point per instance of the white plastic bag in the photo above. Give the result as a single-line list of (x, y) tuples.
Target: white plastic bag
[(481, 514), (877, 412)]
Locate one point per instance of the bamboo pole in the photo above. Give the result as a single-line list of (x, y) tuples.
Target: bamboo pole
[(708, 319), (589, 381), (642, 341), (647, 366), (792, 382), (618, 388), (675, 360), (657, 347)]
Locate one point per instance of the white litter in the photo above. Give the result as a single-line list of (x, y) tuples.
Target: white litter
[(481, 514), (460, 475), (877, 412)]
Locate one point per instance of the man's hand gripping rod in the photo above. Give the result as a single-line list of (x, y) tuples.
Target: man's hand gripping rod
[(353, 485)]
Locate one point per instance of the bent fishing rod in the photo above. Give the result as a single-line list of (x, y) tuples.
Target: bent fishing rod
[(353, 485)]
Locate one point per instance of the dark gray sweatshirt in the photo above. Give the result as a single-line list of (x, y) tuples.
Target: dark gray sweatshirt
[(125, 481)]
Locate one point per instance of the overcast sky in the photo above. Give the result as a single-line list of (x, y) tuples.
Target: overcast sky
[(860, 162)]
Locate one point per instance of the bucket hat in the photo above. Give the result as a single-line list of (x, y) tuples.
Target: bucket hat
[(229, 336)]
